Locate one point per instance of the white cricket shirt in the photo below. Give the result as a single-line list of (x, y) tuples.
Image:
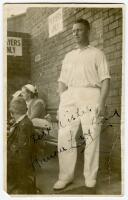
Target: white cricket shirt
[(84, 68)]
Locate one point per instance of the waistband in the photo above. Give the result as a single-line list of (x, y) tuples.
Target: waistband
[(85, 88), (80, 95)]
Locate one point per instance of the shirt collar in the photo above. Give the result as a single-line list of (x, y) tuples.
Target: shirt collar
[(28, 102), (20, 118), (86, 47)]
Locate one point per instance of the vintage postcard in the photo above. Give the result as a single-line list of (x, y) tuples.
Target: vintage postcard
[(64, 99)]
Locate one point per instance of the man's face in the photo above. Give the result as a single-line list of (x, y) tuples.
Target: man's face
[(80, 33)]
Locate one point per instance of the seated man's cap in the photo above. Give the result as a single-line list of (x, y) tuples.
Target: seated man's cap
[(31, 88)]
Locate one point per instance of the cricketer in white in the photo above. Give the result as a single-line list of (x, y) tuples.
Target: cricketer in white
[(83, 88)]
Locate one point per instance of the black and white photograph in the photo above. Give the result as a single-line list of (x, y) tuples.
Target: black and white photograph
[(64, 99)]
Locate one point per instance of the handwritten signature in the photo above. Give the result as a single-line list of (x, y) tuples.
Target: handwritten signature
[(40, 135), (82, 143), (37, 137)]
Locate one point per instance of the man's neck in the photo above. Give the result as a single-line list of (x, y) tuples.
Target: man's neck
[(17, 117), (20, 117), (83, 45)]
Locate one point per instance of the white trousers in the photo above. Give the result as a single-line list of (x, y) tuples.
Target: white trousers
[(78, 106)]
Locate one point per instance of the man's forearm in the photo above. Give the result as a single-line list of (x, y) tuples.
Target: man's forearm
[(61, 88), (104, 91)]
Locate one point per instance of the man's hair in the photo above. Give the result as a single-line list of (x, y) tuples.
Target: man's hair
[(18, 105), (84, 22)]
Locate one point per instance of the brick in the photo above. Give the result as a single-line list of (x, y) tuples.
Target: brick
[(105, 14), (90, 20), (118, 15), (115, 84), (98, 15), (120, 92), (116, 100), (119, 61), (105, 28), (118, 54), (110, 56), (116, 77), (70, 21), (109, 49), (87, 15), (106, 21), (114, 25), (116, 39), (94, 43), (109, 34), (113, 11), (114, 93), (119, 31), (67, 32), (120, 22), (79, 14), (70, 37), (116, 69), (105, 10), (118, 46), (111, 19), (107, 43)]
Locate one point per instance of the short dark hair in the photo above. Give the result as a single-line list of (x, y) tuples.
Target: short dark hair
[(18, 105), (84, 22)]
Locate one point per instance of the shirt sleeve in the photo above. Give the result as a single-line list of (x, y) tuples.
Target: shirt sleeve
[(63, 74), (102, 66)]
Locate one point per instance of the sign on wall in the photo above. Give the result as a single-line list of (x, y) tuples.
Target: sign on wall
[(14, 46), (55, 22)]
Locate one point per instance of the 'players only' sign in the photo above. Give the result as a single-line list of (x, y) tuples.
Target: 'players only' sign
[(55, 22), (14, 46)]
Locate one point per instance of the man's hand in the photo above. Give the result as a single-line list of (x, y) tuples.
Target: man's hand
[(61, 88), (100, 110), (48, 117)]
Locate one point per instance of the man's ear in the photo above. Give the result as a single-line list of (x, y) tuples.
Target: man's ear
[(11, 113)]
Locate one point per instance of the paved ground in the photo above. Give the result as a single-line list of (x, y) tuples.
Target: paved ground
[(47, 175)]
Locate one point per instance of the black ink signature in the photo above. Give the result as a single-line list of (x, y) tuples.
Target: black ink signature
[(73, 118), (39, 162), (39, 136), (63, 149)]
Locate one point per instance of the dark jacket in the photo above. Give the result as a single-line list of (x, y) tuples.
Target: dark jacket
[(20, 151)]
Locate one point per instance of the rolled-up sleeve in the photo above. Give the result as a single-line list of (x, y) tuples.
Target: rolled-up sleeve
[(102, 66), (63, 74)]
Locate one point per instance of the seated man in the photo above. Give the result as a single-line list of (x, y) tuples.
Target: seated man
[(20, 150)]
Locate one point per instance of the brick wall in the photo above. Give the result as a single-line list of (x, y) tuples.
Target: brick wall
[(112, 45), (17, 23), (106, 34)]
